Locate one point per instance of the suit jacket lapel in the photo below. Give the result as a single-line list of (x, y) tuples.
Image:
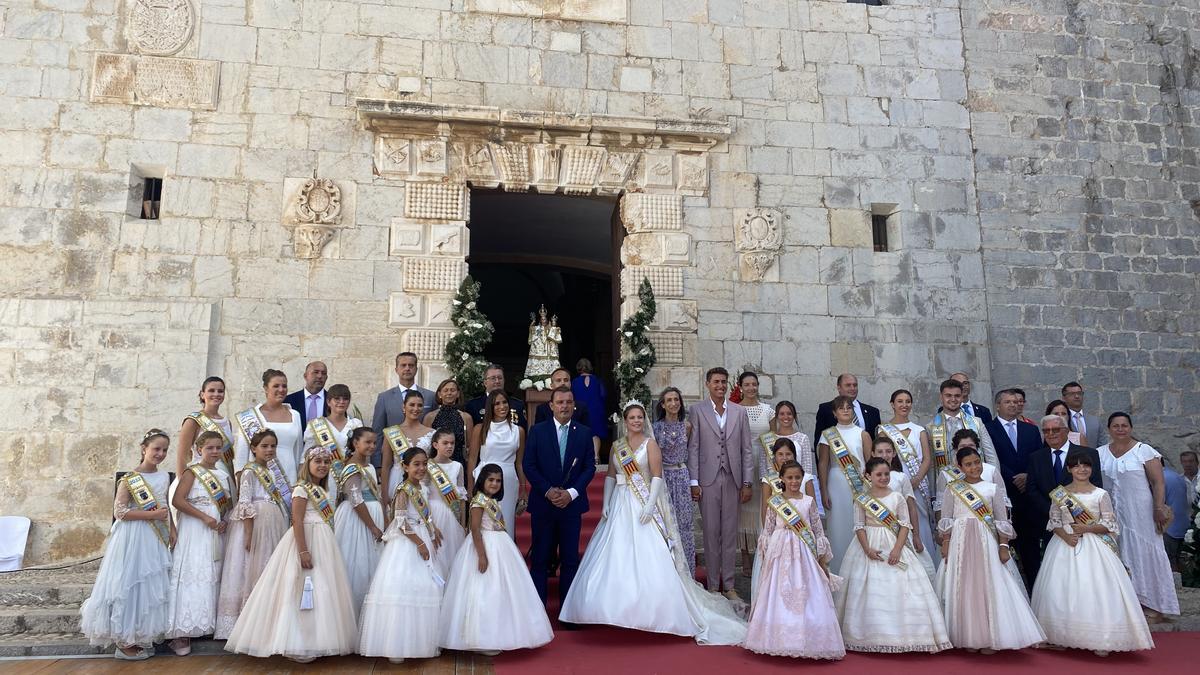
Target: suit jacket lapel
[(710, 414)]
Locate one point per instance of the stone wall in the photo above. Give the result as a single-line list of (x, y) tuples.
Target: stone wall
[(1084, 120), (767, 132)]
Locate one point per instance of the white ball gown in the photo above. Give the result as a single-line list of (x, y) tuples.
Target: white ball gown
[(272, 621), (500, 448), (196, 566), (128, 603), (901, 484), (887, 608), (983, 602), (840, 514), (793, 612), (242, 568), (400, 612), (495, 610), (1083, 596), (397, 471), (447, 521), (358, 546), (630, 577)]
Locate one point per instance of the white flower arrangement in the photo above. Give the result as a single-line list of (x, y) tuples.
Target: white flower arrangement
[(540, 385)]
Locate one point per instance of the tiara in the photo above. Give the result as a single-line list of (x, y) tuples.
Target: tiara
[(152, 433), (632, 403), (317, 451)]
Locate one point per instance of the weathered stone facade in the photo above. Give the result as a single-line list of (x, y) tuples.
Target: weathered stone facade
[(1034, 160)]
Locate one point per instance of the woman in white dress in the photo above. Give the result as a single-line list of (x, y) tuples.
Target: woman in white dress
[(1133, 474), (749, 515), (1083, 596), (806, 456), (498, 440), (839, 484), (128, 603), (208, 418), (358, 521), (277, 416), (912, 441), (414, 434), (339, 423), (202, 500), (633, 574), (983, 602)]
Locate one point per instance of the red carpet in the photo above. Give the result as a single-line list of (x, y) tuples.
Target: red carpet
[(607, 650)]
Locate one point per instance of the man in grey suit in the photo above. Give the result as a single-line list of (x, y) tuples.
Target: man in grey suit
[(721, 467), (1088, 425), (389, 407)]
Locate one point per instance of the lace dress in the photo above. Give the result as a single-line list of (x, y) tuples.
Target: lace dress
[(196, 567), (902, 485), (672, 439), (1141, 545), (984, 604), (498, 609), (888, 608), (128, 603), (793, 613), (1083, 596), (358, 546), (444, 517), (242, 566), (750, 513)]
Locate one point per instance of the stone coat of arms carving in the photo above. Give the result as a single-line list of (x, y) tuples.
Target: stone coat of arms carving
[(759, 239), (161, 27)]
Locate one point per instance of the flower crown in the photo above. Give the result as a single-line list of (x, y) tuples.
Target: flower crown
[(317, 451)]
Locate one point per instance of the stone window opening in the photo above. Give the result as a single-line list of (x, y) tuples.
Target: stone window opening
[(870, 3), (145, 191), (884, 222)]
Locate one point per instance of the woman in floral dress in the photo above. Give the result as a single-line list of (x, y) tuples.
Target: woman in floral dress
[(671, 431)]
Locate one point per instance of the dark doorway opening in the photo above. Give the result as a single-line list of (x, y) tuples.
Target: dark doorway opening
[(530, 249)]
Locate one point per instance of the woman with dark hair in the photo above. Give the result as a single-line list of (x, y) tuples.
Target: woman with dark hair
[(672, 431), (1059, 407), (208, 418), (408, 434), (590, 393), (277, 416), (447, 415), (498, 440), (786, 427), (759, 415), (1133, 474)]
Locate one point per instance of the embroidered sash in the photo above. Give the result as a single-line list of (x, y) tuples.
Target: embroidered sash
[(323, 433), (143, 496), (794, 522), (273, 490), (907, 454), (767, 440), (249, 423), (441, 481), (320, 499), (397, 441), (207, 424), (1081, 514), (937, 433), (979, 507), (212, 485), (633, 476), (880, 512), (418, 500), (490, 506), (369, 484), (845, 460)]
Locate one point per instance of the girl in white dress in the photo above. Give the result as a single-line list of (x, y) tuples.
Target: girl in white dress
[(794, 614), (491, 604), (445, 506), (806, 455), (887, 603), (256, 525), (984, 604), (413, 434), (277, 416), (885, 448), (202, 500), (400, 613), (759, 415), (1133, 474), (1083, 596), (916, 461), (633, 574), (782, 452), (500, 441), (128, 603), (358, 522), (300, 608), (335, 428), (839, 482)]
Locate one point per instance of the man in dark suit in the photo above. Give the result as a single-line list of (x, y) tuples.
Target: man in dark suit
[(1014, 442), (866, 416), (311, 401), (1047, 469), (559, 465), (493, 378), (968, 406)]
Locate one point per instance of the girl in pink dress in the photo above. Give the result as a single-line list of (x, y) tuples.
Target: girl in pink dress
[(793, 612)]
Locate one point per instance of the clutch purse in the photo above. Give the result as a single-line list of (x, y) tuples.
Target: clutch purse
[(306, 597)]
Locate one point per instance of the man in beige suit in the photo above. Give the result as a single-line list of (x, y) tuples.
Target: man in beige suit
[(721, 466)]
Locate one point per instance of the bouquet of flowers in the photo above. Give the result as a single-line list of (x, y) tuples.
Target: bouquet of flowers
[(540, 385)]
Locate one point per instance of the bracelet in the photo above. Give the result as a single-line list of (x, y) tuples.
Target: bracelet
[(305, 553), (1006, 546)]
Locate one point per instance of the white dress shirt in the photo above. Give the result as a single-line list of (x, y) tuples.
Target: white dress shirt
[(720, 415), (1080, 424), (558, 427)]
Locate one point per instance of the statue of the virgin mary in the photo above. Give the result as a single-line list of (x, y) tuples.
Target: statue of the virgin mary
[(544, 338)]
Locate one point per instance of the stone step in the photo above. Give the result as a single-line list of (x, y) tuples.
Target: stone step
[(74, 644), (18, 620), (44, 594)]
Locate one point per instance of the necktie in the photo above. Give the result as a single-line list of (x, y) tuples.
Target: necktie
[(1012, 432), (858, 416), (967, 408), (562, 443), (313, 413), (1058, 465), (1080, 426)]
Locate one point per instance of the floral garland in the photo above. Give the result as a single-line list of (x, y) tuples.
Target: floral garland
[(464, 349), (637, 352)]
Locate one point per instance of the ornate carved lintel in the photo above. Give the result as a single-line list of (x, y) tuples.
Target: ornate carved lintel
[(309, 240)]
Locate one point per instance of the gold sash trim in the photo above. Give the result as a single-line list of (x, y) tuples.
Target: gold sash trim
[(908, 456), (320, 498), (490, 506), (397, 441), (978, 506), (212, 485), (846, 461), (325, 437), (637, 483), (353, 469), (1081, 514), (208, 424), (143, 496), (441, 481), (794, 522), (886, 517), (417, 498), (267, 481)]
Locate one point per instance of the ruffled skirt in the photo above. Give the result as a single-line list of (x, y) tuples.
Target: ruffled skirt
[(793, 612), (195, 576), (359, 549), (128, 604), (242, 568), (401, 610), (496, 610), (452, 530)]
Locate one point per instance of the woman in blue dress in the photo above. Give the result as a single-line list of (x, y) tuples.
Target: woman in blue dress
[(589, 392)]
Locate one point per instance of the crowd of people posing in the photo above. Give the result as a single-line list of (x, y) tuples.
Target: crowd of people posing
[(295, 529)]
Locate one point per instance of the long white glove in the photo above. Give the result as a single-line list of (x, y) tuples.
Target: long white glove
[(610, 484), (656, 488)]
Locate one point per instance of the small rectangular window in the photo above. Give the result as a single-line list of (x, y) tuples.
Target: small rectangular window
[(879, 232), (151, 197), (873, 3)]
